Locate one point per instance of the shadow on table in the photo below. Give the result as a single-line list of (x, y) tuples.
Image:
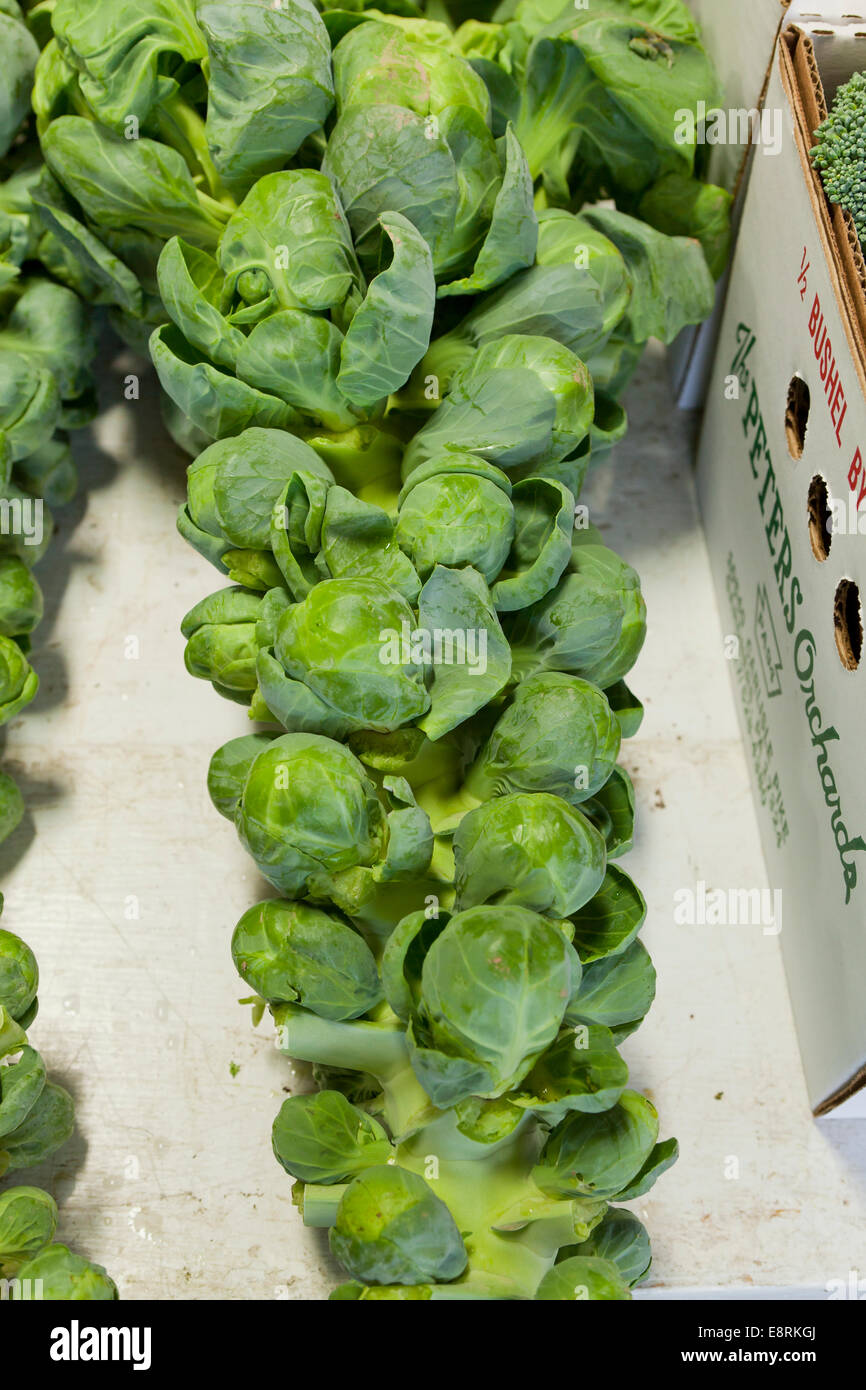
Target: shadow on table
[(153, 449)]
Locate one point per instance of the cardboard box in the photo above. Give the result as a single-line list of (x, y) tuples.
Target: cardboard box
[(783, 442), (740, 36)]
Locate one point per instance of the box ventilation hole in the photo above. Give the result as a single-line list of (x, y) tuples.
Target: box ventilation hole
[(848, 623), (796, 416), (818, 512)]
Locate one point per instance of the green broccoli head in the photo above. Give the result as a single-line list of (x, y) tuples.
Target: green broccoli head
[(840, 152)]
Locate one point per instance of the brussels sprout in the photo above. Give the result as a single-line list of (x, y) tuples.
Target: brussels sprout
[(19, 978), (533, 850), (21, 1085), (522, 967), (581, 1071), (456, 519), (50, 471), (291, 951), (228, 770), (308, 811), (284, 210), (33, 525), (18, 681), (234, 486), (221, 641), (601, 285), (64, 1277), (271, 332), (415, 62), (391, 1228), (520, 400), (576, 293), (322, 1138), (621, 1239), (413, 135), (28, 1220), (599, 1155), (46, 1128), (592, 624), (558, 735), (19, 63), (616, 991), (20, 598), (583, 1279), (334, 641)]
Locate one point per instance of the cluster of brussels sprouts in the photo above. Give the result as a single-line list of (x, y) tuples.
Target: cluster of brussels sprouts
[(434, 641), (36, 1119), (454, 947), (393, 311), (46, 347), (47, 344)]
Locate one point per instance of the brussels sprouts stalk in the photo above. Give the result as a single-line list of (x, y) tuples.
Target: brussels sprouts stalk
[(377, 1048), (512, 1231), (446, 810), (180, 125), (36, 1119), (507, 1262), (431, 378), (526, 661), (452, 950), (470, 1289), (318, 1202), (406, 1106), (365, 460), (548, 123), (377, 907)]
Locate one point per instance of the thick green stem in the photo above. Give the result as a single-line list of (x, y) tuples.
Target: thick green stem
[(319, 1203), (182, 127), (365, 460), (548, 123), (376, 907), (473, 1289), (445, 805), (442, 867), (407, 1107), (432, 377), (508, 1262), (512, 1230), (377, 1048), (478, 785), (355, 1046)]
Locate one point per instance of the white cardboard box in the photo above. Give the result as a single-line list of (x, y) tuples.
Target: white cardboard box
[(784, 437), (740, 36)]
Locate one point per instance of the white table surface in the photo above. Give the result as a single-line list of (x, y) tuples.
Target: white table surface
[(128, 884)]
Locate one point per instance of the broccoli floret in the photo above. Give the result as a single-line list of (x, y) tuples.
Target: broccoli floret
[(840, 153)]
